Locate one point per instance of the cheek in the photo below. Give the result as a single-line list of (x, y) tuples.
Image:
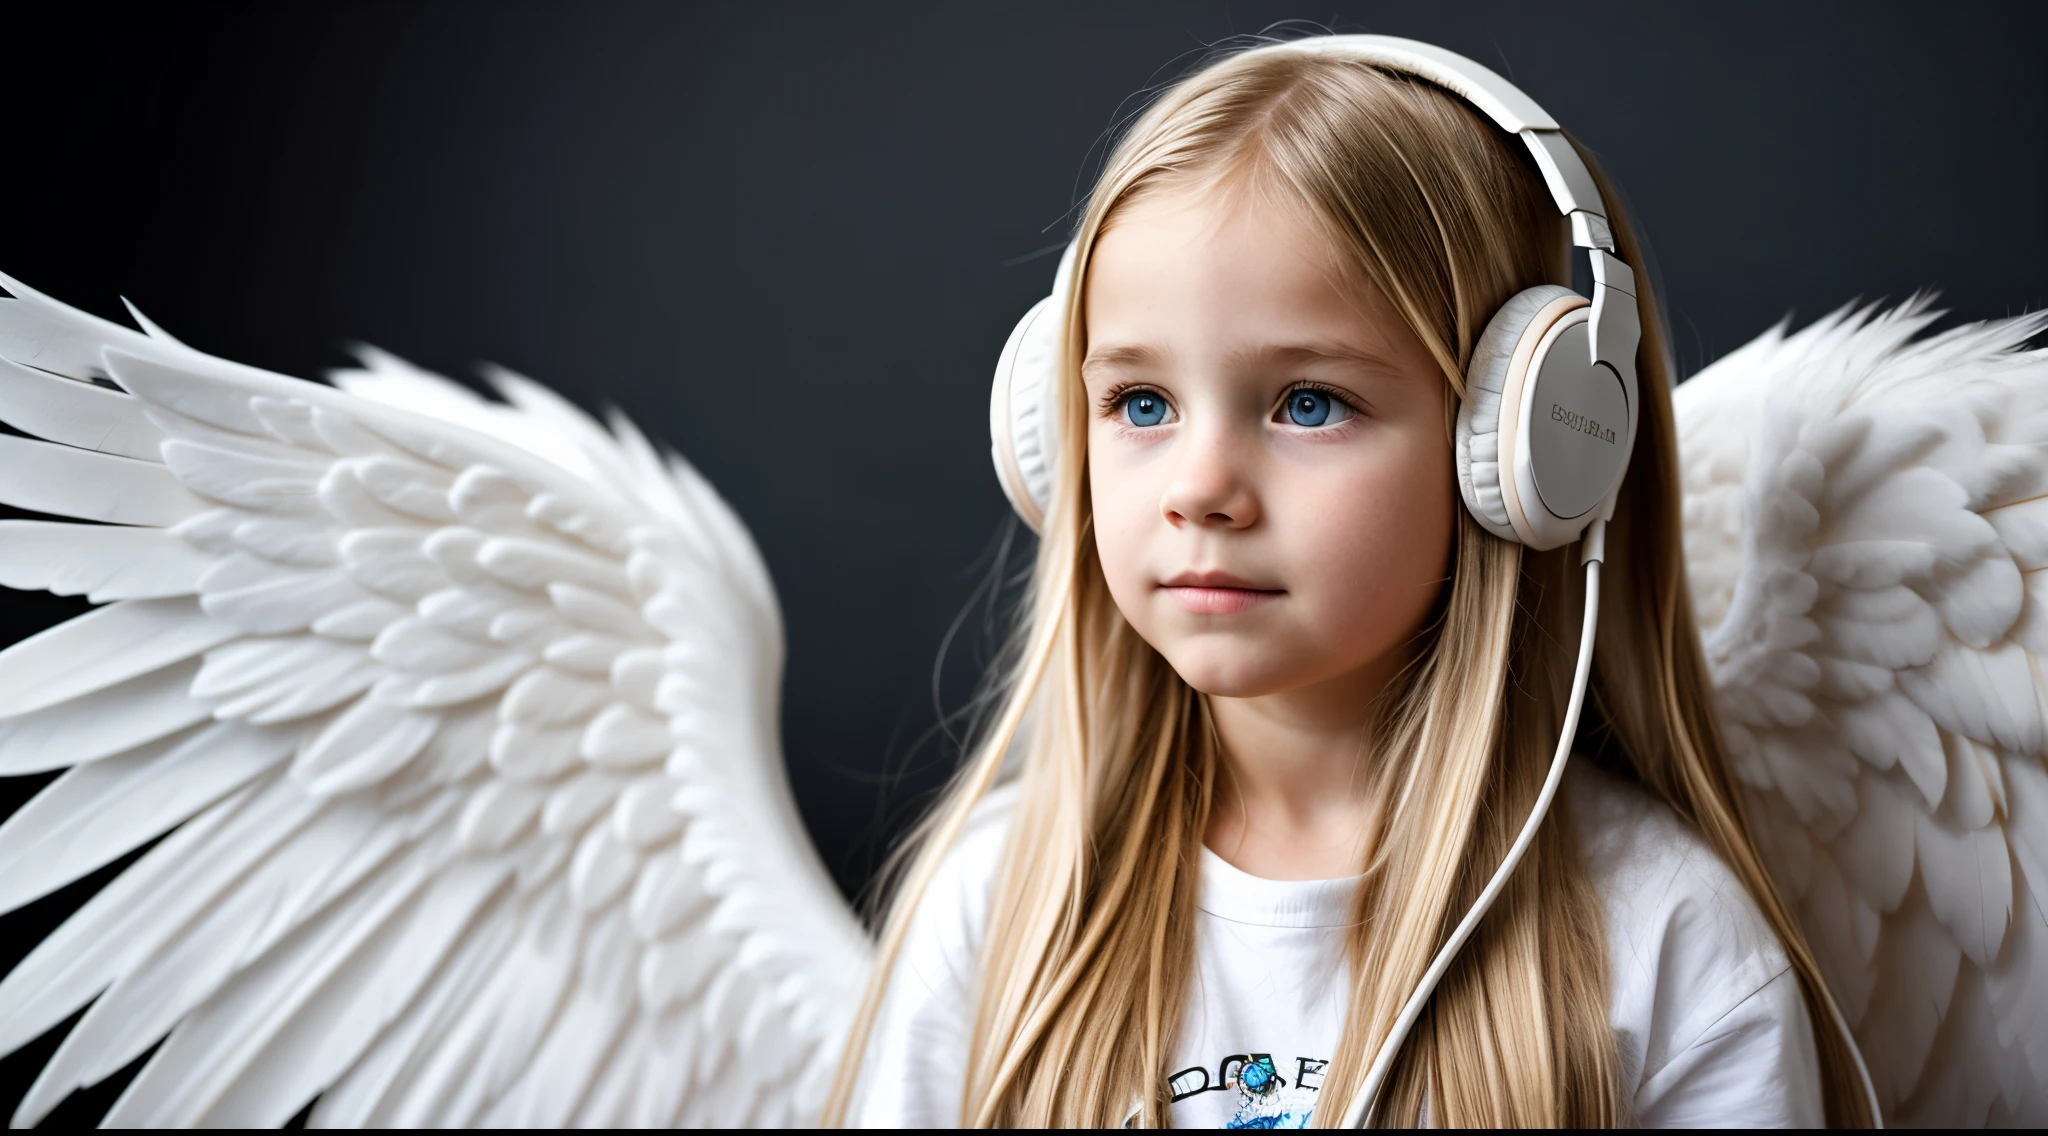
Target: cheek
[(1369, 545), (1123, 505)]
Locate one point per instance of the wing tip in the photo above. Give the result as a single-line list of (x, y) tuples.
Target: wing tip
[(149, 326)]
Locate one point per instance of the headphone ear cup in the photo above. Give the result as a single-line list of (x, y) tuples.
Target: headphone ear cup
[(1023, 432), (1020, 427), (1481, 449)]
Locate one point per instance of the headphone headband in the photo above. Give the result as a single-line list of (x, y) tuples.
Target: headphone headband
[(1564, 172), (1498, 99)]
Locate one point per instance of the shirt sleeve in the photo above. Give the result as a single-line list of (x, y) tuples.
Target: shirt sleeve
[(915, 1070), (914, 1073), (1754, 1067), (1709, 1021)]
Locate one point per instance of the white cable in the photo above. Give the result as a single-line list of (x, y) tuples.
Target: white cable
[(1367, 1098), (1855, 1052)]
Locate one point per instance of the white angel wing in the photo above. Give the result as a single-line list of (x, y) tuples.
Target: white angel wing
[(461, 719), (1866, 526)]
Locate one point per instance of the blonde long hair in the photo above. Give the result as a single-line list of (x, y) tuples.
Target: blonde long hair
[(1088, 956)]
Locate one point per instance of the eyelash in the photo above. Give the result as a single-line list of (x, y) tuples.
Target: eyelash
[(1113, 398), (1320, 388)]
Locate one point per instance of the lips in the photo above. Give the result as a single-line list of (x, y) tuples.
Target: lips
[(1217, 593)]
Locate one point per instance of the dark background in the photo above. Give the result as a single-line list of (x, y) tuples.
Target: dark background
[(790, 240)]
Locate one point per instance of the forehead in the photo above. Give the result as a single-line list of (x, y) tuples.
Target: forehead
[(1188, 270)]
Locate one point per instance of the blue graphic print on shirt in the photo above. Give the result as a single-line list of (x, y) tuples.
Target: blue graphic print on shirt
[(1266, 1096)]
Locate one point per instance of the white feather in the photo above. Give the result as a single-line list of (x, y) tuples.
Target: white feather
[(526, 753), (206, 1053), (148, 325), (261, 661), (409, 487), (42, 333), (536, 566), (89, 486), (209, 391), (597, 611), (638, 674), (353, 1100), (351, 504), (491, 501), (496, 815), (97, 812), (665, 896), (1968, 875), (468, 610), (282, 600), (107, 721), (73, 413), (323, 675), (2022, 528), (645, 815), (419, 647), (484, 1046), (370, 741), (100, 648), (101, 562), (298, 869), (463, 686), (389, 562), (604, 865), (309, 1030), (1877, 862), (299, 542), (256, 481), (548, 697), (359, 622), (575, 1047), (203, 867), (586, 654), (621, 737)]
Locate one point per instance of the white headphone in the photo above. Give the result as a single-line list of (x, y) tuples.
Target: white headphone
[(1550, 393)]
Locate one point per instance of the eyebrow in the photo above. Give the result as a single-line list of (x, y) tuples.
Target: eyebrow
[(1120, 356), (1319, 351)]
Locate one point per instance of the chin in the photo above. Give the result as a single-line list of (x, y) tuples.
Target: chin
[(1226, 672)]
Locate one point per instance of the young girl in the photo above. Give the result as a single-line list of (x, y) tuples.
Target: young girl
[(1281, 704)]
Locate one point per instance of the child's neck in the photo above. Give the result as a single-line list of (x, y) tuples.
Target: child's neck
[(1292, 789)]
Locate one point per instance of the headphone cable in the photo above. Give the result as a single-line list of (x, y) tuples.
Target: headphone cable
[(1359, 1114)]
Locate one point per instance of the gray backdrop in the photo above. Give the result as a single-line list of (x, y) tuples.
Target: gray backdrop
[(789, 240)]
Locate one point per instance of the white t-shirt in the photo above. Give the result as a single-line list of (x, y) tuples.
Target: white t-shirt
[(1707, 1015)]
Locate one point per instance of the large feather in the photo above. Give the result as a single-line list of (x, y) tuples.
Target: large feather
[(1866, 526), (460, 717)]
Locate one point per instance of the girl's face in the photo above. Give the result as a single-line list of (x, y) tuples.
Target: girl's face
[(1268, 461)]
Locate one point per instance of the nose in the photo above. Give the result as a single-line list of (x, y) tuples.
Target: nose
[(1210, 486)]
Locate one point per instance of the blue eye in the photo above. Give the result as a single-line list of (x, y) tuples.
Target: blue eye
[(1144, 408), (1306, 407)]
